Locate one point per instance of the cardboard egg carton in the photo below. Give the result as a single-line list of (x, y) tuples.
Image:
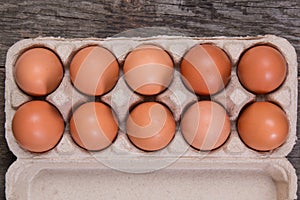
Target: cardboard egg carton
[(178, 171)]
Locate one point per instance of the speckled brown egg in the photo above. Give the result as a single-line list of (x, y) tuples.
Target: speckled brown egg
[(94, 70), (150, 126), (148, 69), (38, 71), (205, 69)]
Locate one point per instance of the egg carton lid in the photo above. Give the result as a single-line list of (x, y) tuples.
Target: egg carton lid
[(187, 178)]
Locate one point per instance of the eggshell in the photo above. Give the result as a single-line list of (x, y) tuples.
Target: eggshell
[(205, 69), (148, 69), (37, 126), (93, 126), (94, 70), (205, 125), (263, 126), (38, 71), (262, 69), (150, 126)]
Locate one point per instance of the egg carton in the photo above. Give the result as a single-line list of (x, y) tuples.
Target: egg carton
[(228, 170)]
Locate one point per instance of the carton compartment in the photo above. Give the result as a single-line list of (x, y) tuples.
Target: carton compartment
[(182, 180)]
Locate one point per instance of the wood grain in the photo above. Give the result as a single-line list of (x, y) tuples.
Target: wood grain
[(6, 157), (74, 19)]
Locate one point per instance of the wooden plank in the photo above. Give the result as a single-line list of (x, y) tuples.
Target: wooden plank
[(6, 157), (104, 18), (296, 164)]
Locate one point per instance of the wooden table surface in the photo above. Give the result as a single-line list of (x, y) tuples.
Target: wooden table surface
[(73, 19)]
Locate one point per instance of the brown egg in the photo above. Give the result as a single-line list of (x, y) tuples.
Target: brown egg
[(205, 125), (37, 126), (94, 126), (205, 69), (94, 70), (263, 126), (148, 69), (150, 126), (38, 71), (262, 69)]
